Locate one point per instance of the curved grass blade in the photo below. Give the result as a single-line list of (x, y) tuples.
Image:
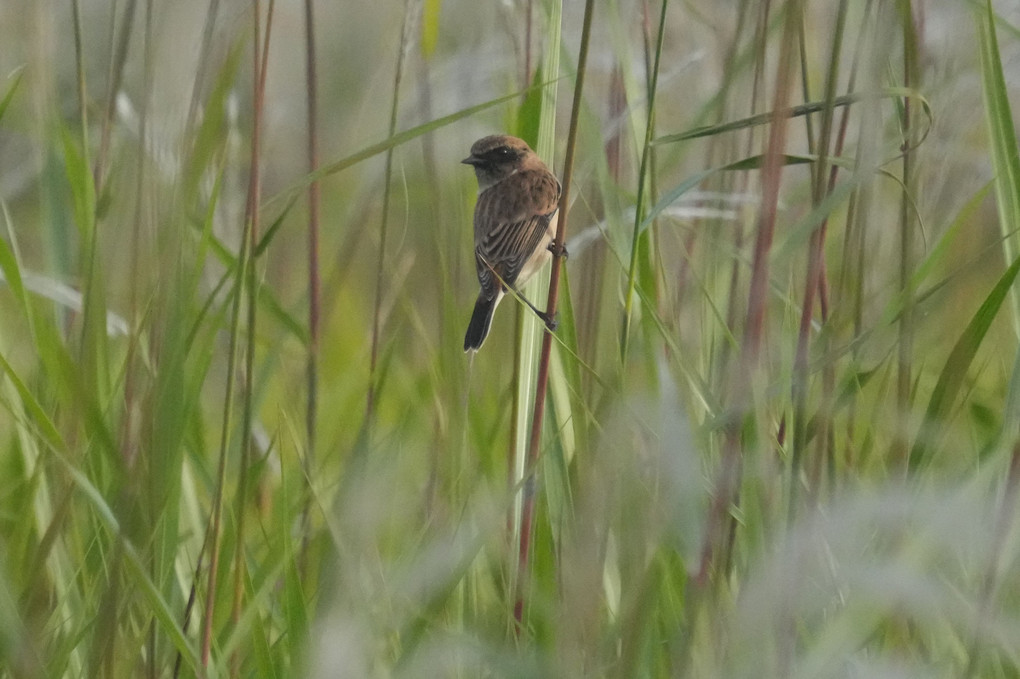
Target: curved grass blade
[(393, 141), (797, 111)]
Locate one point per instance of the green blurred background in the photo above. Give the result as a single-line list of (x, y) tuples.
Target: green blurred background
[(869, 526)]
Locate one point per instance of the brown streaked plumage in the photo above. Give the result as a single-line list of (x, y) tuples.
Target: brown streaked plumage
[(515, 223)]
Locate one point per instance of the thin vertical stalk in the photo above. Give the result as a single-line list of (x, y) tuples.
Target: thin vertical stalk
[(245, 276), (529, 19), (593, 278), (904, 347), (718, 532), (79, 61), (314, 282), (850, 283), (91, 353), (724, 357), (189, 605), (221, 469), (772, 172), (827, 433), (260, 58), (733, 286), (203, 58), (213, 539), (116, 74), (805, 81), (646, 155), (384, 221), (127, 445), (813, 275), (528, 508), (128, 438)]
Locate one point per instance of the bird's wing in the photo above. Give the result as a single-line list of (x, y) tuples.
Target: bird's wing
[(510, 220)]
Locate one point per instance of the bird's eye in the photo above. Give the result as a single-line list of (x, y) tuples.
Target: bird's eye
[(503, 151)]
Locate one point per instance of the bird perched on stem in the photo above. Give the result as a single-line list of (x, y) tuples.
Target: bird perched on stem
[(515, 224)]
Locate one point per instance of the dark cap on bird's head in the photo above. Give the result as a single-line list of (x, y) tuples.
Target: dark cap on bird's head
[(496, 149)]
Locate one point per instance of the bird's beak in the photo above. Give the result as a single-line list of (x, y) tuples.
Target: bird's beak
[(471, 160)]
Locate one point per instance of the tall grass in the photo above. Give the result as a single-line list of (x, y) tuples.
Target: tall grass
[(778, 421)]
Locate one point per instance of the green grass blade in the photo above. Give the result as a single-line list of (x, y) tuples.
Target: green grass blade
[(9, 95), (894, 93), (287, 195), (954, 372), (1004, 151)]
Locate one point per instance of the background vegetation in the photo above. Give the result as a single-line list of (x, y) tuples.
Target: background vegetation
[(239, 436)]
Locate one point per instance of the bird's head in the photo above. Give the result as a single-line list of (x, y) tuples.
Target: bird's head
[(497, 157)]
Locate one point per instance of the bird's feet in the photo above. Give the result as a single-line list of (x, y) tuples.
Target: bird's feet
[(558, 250), (552, 321)]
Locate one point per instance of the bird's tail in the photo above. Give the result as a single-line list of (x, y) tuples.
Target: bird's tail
[(481, 319)]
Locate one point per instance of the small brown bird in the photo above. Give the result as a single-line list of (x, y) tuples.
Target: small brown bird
[(515, 223)]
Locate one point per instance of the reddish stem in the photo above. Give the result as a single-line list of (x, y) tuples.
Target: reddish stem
[(528, 509)]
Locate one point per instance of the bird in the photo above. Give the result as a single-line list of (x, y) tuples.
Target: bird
[(514, 224)]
